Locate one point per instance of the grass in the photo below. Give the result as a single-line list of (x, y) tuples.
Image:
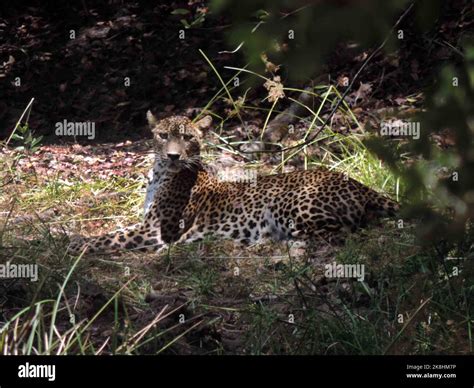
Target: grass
[(214, 297)]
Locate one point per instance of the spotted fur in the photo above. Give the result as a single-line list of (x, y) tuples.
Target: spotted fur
[(187, 202)]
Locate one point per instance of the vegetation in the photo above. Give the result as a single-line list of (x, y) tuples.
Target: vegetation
[(215, 298)]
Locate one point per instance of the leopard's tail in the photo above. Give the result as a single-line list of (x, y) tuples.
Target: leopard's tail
[(380, 205)]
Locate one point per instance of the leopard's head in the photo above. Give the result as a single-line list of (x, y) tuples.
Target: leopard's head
[(177, 140)]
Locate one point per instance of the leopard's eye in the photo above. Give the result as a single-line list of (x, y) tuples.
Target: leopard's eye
[(163, 135), (187, 137)]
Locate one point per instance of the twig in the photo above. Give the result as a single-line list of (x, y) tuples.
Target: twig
[(336, 107), (406, 325), (27, 109)]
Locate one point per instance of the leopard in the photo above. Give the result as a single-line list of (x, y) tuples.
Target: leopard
[(188, 201)]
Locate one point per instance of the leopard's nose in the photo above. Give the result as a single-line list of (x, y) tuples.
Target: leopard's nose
[(173, 157)]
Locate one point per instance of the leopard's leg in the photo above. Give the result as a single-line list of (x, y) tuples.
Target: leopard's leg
[(145, 236), (137, 237), (191, 235), (326, 230)]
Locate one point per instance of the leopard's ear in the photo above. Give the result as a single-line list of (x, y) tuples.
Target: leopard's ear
[(152, 120), (204, 123)]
